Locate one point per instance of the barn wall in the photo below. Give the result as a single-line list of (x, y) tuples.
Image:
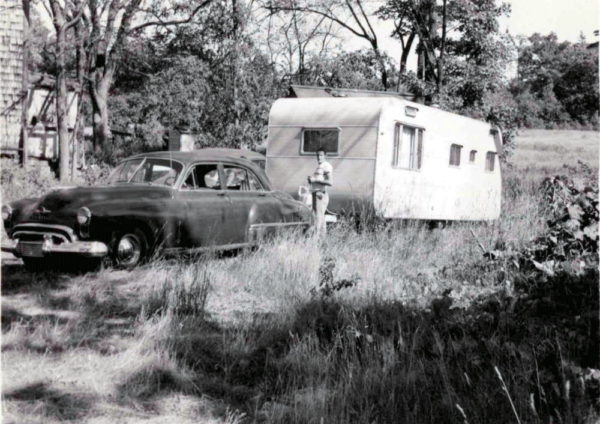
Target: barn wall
[(11, 64)]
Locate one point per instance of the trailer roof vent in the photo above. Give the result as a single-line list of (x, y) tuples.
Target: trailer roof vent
[(411, 111)]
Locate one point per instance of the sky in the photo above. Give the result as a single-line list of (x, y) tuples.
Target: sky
[(566, 18)]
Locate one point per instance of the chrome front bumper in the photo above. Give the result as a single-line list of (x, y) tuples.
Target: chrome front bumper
[(88, 249)]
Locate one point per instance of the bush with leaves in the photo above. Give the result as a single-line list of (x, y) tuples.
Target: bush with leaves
[(20, 183), (570, 243)]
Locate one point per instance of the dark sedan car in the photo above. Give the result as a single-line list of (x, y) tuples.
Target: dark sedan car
[(172, 201)]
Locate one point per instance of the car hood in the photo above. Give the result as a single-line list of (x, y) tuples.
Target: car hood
[(64, 202)]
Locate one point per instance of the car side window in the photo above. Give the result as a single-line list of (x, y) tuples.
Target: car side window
[(190, 182), (204, 176), (128, 169), (241, 179), (254, 182)]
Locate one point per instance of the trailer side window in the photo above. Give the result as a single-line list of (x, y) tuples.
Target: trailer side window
[(326, 139), (408, 147), (472, 155), (490, 161), (455, 150)]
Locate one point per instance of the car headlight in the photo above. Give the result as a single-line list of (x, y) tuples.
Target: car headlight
[(6, 212), (84, 215)]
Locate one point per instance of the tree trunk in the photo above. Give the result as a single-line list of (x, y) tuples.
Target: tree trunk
[(440, 62), (384, 75), (77, 136), (100, 124), (406, 52), (99, 96), (421, 61), (62, 128), (235, 74)]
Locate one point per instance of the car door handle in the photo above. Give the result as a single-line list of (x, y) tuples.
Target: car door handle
[(220, 193), (262, 194)]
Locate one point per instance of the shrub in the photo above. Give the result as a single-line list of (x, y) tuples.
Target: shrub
[(19, 183), (38, 178), (570, 243)]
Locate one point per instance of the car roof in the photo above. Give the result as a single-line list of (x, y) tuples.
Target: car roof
[(211, 153), (216, 154), (241, 153)]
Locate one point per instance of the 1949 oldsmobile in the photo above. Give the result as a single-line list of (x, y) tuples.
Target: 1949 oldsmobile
[(172, 201)]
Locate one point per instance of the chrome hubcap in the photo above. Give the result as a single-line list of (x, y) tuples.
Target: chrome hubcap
[(129, 250)]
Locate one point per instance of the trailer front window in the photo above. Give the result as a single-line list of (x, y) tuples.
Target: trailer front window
[(408, 147), (326, 139)]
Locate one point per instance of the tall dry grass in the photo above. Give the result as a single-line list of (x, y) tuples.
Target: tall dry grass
[(420, 330), (406, 323)]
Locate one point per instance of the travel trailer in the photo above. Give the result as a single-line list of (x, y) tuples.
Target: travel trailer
[(402, 159)]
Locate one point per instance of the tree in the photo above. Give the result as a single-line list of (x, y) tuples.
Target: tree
[(294, 39), (209, 77), (403, 29), (577, 87), (453, 36), (358, 69), (108, 24), (350, 15), (197, 95), (557, 82), (64, 17)]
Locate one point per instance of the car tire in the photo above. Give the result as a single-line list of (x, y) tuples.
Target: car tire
[(129, 250)]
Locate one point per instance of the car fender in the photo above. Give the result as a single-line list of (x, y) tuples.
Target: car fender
[(160, 220), (282, 213)]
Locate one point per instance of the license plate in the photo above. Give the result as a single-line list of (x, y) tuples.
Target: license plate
[(30, 250)]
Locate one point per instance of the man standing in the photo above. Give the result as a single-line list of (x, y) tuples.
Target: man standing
[(319, 181)]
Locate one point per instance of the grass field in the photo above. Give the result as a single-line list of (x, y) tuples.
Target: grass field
[(405, 324), (543, 152)]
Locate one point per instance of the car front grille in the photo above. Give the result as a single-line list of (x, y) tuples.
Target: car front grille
[(37, 233)]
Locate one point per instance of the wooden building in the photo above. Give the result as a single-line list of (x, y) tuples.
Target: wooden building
[(37, 94), (11, 73)]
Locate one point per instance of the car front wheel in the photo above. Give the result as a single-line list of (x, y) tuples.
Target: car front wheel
[(129, 249)]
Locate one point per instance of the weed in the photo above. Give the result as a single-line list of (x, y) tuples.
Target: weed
[(327, 285), (183, 293)]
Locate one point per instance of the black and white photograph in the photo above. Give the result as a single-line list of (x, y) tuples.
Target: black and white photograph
[(299, 211)]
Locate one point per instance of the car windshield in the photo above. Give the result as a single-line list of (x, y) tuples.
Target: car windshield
[(146, 171)]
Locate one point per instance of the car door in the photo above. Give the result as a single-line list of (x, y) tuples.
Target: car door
[(249, 202), (205, 202)]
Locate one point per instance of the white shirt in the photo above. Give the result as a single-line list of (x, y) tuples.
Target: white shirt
[(324, 172)]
